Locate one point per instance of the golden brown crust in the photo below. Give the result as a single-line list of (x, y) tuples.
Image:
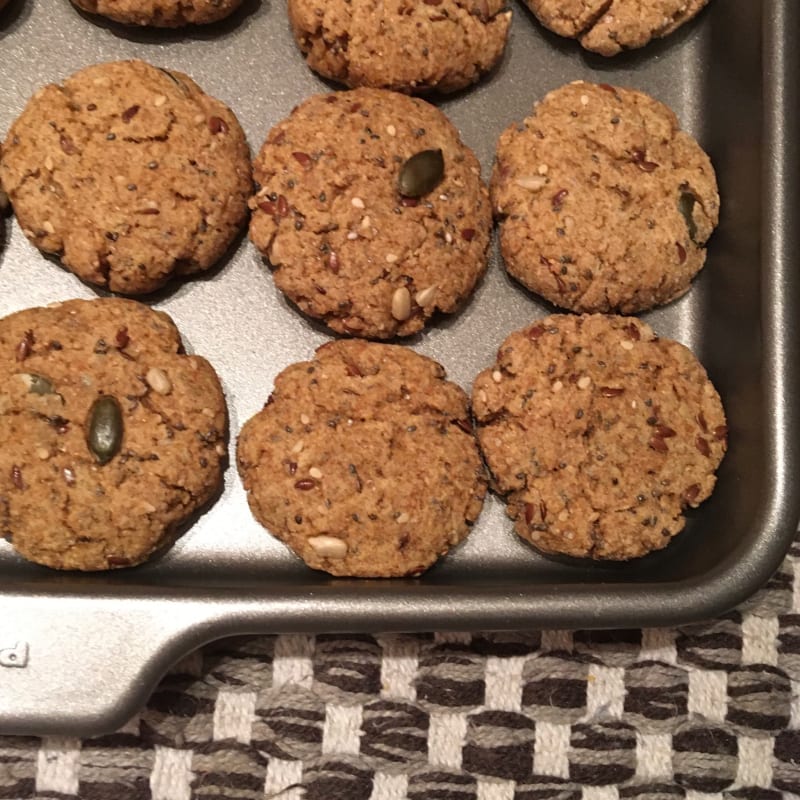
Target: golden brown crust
[(363, 461), (604, 203), (59, 505), (345, 246), (130, 173), (404, 45), (599, 433), (161, 13)]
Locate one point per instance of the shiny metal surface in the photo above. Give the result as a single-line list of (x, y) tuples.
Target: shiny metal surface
[(79, 653)]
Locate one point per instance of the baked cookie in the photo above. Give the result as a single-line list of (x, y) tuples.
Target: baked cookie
[(403, 45), (363, 461), (604, 203), (130, 173), (161, 13), (600, 433), (610, 26), (110, 437), (371, 212)]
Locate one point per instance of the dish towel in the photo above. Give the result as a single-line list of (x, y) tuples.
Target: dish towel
[(704, 711)]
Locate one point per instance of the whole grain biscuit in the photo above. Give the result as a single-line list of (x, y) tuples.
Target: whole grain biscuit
[(599, 433), (610, 26), (604, 203), (401, 44), (371, 212), (161, 13), (363, 461), (110, 437), (130, 173)]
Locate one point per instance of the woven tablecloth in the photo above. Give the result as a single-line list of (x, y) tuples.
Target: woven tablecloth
[(706, 710)]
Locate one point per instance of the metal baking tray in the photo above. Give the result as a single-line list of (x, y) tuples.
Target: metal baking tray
[(79, 653)]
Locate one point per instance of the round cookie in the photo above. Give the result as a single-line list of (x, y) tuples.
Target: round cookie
[(610, 26), (599, 433), (110, 437), (363, 461), (401, 45), (161, 13), (604, 203), (130, 173), (345, 245)]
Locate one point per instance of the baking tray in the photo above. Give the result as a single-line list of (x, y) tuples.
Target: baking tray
[(79, 653)]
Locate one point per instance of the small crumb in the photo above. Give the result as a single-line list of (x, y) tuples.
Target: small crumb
[(43, 453), (219, 449), (497, 376), (391, 258), (626, 345), (584, 382), (159, 100), (543, 169), (48, 226), (158, 380), (403, 518), (357, 202), (557, 386)]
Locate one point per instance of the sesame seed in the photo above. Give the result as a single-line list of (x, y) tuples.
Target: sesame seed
[(43, 453), (497, 376), (391, 258), (305, 419), (482, 396), (357, 202), (328, 546), (403, 518), (352, 236), (366, 221), (584, 382), (48, 226), (448, 237), (531, 182), (158, 381), (557, 386), (298, 448), (159, 100), (626, 345), (425, 296), (391, 130), (584, 100), (401, 304), (543, 169), (220, 450), (314, 472), (48, 163)]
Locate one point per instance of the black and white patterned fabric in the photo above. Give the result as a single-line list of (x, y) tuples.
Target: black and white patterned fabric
[(705, 711)]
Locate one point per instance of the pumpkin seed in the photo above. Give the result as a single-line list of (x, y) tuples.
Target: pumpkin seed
[(686, 206), (421, 173), (104, 435)]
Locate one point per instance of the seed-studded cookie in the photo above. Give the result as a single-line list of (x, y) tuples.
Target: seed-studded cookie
[(130, 173), (161, 13), (371, 212), (604, 203), (400, 44), (110, 437), (599, 433), (610, 26), (363, 461)]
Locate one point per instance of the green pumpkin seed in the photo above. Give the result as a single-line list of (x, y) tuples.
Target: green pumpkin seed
[(686, 206), (421, 173), (104, 431)]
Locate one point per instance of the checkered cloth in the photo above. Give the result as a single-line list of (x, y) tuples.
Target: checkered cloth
[(704, 711)]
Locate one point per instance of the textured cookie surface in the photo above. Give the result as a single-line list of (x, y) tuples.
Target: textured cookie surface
[(130, 173), (403, 45), (161, 13), (63, 502), (363, 461), (599, 433), (344, 244), (610, 26), (605, 204)]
